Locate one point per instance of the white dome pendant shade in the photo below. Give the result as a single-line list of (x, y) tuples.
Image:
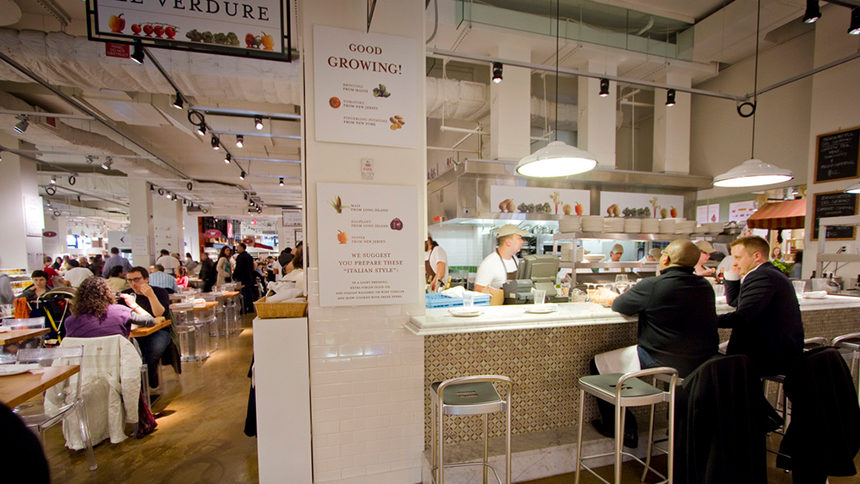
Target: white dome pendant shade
[(855, 188), (752, 173), (555, 160)]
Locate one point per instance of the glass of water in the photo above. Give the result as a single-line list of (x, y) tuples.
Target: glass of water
[(621, 283)]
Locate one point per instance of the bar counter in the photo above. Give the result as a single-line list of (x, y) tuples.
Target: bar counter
[(545, 354)]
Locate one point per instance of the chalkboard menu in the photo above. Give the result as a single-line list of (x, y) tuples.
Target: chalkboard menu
[(836, 155), (834, 204)]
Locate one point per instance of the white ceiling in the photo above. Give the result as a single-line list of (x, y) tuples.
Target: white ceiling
[(158, 143)]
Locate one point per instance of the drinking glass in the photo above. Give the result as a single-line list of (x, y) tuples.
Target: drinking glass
[(799, 286), (540, 296), (621, 283), (468, 299)]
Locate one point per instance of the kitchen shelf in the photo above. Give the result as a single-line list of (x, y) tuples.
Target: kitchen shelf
[(619, 236), (839, 257), (608, 265)]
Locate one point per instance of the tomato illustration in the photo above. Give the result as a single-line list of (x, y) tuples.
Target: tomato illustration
[(159, 30), (147, 29), (170, 32), (136, 29), (578, 208), (341, 237), (334, 102)]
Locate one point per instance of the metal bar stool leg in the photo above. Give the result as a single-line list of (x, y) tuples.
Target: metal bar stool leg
[(441, 436), (434, 471), (671, 431), (486, 447), (650, 443), (619, 439), (579, 435)]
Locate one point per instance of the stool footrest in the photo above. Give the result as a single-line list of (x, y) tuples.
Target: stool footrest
[(611, 454), (467, 464)]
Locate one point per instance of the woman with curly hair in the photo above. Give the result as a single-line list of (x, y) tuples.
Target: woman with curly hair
[(96, 313)]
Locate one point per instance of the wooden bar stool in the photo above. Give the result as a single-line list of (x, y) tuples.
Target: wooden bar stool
[(623, 391), (469, 395)]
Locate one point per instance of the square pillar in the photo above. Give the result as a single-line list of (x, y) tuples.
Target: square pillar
[(672, 127), (597, 115)]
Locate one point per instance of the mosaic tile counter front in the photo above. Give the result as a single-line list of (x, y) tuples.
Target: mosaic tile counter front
[(545, 364)]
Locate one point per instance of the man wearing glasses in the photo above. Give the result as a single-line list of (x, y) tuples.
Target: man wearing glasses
[(156, 302)]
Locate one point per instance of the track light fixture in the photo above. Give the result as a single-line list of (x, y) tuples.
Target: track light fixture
[(72, 179), (108, 162), (1, 155), (240, 141), (497, 72), (251, 203), (813, 13), (189, 186), (216, 144), (22, 124), (227, 157), (242, 176), (177, 102), (245, 196), (201, 130), (90, 159), (281, 181), (51, 191), (53, 180), (137, 54), (604, 87), (258, 122), (854, 28), (670, 97), (167, 195), (161, 191), (259, 209)]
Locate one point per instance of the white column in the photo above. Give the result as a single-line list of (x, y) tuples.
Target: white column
[(140, 218), (167, 225), (510, 103), (367, 376), (597, 115), (672, 127), (23, 212), (191, 234)]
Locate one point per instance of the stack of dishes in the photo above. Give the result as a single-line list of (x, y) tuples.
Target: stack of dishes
[(593, 257), (667, 225), (685, 226), (713, 227), (633, 225), (700, 229), (592, 223), (650, 225), (568, 253), (570, 224), (613, 225)]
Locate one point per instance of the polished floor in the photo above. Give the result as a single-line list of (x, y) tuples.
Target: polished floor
[(199, 438)]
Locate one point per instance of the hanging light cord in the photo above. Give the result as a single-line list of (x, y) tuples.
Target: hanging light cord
[(755, 76), (557, 34)]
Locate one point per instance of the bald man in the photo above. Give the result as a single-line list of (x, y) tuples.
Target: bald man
[(677, 312)]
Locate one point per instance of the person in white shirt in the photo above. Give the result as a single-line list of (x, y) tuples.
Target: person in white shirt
[(616, 252), (705, 250), (435, 263), (171, 264), (76, 275), (501, 265)]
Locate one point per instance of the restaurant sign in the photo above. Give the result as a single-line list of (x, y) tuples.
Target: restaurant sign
[(368, 244), (247, 28)]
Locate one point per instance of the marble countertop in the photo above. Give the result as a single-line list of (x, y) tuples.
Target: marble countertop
[(513, 317)]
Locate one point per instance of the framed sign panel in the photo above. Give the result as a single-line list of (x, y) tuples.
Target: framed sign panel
[(247, 28), (834, 204), (836, 155)]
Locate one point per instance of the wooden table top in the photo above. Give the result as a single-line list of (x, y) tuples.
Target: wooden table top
[(208, 305), (228, 294), (19, 335), (17, 389), (148, 330)]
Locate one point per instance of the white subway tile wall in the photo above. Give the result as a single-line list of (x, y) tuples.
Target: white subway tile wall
[(463, 243), (367, 396)]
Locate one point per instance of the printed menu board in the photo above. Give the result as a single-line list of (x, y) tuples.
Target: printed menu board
[(368, 243), (365, 88), (836, 155), (834, 204), (741, 211)]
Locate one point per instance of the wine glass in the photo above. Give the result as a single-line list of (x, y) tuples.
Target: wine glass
[(621, 283)]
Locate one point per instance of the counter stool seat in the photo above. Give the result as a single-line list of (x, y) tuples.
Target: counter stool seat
[(470, 395), (627, 390)]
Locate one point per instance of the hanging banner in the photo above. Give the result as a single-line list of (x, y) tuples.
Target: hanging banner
[(365, 88), (368, 244), (250, 28)]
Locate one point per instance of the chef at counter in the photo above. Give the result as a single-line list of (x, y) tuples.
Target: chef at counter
[(501, 265), (435, 264)]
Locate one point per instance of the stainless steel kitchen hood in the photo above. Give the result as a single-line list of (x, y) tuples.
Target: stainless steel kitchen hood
[(462, 194)]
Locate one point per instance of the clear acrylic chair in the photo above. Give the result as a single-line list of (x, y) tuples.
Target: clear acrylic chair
[(68, 395)]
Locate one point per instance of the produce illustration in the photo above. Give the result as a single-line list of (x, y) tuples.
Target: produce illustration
[(207, 37), (116, 23), (397, 122), (506, 205), (158, 30), (578, 208), (534, 208), (341, 237), (613, 210), (334, 102), (396, 224), (673, 212), (567, 209), (555, 200), (644, 212), (337, 205), (266, 41), (381, 91)]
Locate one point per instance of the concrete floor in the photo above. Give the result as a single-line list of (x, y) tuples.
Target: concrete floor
[(199, 438)]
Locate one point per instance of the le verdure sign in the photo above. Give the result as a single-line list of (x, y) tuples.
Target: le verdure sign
[(246, 28)]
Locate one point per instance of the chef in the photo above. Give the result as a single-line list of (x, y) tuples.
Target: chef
[(705, 250), (435, 263), (616, 253), (501, 265)]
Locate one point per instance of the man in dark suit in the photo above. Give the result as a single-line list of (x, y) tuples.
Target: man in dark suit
[(677, 314), (766, 325), (244, 273)]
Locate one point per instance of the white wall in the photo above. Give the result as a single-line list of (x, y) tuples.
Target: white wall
[(18, 183)]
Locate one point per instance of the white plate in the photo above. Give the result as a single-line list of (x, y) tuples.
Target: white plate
[(465, 313), (542, 308), (815, 294), (9, 370)]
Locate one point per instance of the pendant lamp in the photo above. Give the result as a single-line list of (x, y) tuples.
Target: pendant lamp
[(855, 188), (558, 158), (753, 172)]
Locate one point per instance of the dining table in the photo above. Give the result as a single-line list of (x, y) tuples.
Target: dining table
[(17, 389), (142, 331), (20, 335)]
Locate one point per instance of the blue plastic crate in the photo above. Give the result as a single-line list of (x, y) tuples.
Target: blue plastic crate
[(435, 300)]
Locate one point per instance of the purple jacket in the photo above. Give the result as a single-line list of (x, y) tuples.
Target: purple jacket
[(116, 321)]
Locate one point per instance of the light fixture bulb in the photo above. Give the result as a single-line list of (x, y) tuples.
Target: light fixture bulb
[(177, 102), (53, 180), (281, 181), (108, 162), (752, 173), (813, 12), (670, 97), (242, 176), (201, 130), (604, 87), (240, 141), (227, 157), (854, 27), (855, 188), (137, 54), (22, 124), (216, 144), (258, 122), (497, 72), (555, 160)]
